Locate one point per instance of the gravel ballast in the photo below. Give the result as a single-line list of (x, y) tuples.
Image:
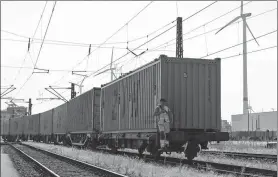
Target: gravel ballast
[(60, 167), (24, 168)]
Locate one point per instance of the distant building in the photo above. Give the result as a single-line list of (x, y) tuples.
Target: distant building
[(225, 126), (261, 121), (14, 112)]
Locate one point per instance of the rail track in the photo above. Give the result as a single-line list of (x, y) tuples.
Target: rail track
[(266, 157), (201, 165), (54, 165), (217, 167)]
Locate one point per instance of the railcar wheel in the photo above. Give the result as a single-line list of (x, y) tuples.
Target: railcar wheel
[(114, 150), (155, 153), (191, 151), (92, 144), (142, 148)]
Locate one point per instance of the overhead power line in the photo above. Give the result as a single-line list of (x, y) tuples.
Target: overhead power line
[(199, 11), (31, 43), (198, 35), (39, 51), (266, 34), (259, 50), (113, 43), (86, 57), (39, 21), (147, 41), (45, 34), (59, 42), (119, 48), (53, 70), (114, 33), (154, 38)]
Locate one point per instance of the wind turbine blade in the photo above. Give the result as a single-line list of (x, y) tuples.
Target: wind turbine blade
[(252, 34), (235, 19)]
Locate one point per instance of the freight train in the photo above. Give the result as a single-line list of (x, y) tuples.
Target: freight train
[(120, 113)]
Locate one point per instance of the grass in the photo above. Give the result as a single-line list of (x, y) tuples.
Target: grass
[(125, 165), (242, 146), (222, 159)]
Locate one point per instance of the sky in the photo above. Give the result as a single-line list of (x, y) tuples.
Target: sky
[(76, 25)]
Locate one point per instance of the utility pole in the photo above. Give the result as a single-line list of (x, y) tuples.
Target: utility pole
[(248, 121), (73, 93), (179, 41), (30, 106), (84, 77), (111, 64)]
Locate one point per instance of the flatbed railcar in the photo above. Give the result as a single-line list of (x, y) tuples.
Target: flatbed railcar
[(191, 87)]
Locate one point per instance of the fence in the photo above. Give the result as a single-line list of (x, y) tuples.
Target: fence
[(253, 135)]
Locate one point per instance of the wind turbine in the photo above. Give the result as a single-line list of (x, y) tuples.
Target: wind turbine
[(245, 89)]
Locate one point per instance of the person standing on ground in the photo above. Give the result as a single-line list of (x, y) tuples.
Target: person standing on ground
[(163, 116)]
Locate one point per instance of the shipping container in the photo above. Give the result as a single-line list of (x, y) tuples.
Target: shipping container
[(16, 126), (32, 124), (83, 112), (190, 86), (60, 119), (46, 121), (6, 127)]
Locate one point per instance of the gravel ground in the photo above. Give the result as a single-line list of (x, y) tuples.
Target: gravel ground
[(129, 166), (24, 168), (60, 167)]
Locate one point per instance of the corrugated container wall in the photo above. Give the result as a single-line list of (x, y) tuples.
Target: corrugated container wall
[(46, 122), (60, 119), (2, 126), (32, 124), (6, 126), (16, 126), (191, 86), (80, 112)]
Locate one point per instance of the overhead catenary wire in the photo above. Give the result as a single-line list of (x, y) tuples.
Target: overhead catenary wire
[(116, 32), (54, 70), (266, 34), (207, 23), (155, 37), (198, 35), (45, 33), (119, 48), (31, 43), (86, 44), (39, 51), (254, 51)]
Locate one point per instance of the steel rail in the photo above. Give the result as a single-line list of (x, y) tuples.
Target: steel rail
[(44, 168), (243, 155), (217, 167), (78, 162)]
